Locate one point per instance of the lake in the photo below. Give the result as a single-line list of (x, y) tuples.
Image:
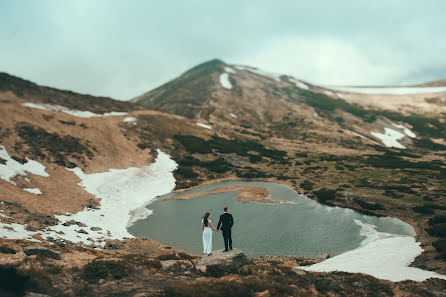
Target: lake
[(299, 227)]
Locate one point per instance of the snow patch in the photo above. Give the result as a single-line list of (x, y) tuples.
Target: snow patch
[(328, 93), (390, 90), (406, 130), (204, 126), (123, 193), (13, 168), (129, 120), (73, 112), (224, 81), (35, 191), (363, 137), (340, 95), (299, 84), (390, 138), (270, 75), (233, 115), (382, 255), (229, 70)]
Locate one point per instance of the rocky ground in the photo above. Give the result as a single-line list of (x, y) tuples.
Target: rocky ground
[(140, 267)]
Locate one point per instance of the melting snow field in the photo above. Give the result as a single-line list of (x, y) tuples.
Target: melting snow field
[(123, 194), (204, 126), (382, 255), (224, 81), (74, 112), (12, 168), (390, 138), (390, 90)]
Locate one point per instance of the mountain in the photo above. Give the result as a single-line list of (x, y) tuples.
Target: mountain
[(73, 167)]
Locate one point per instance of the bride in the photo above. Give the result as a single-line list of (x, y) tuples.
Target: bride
[(206, 226)]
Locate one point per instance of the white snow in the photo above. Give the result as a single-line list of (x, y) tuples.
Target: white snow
[(123, 194), (233, 115), (13, 168), (35, 191), (390, 90), (18, 232), (328, 93), (270, 75), (229, 70), (382, 255), (340, 95), (390, 138), (224, 81), (299, 83), (74, 112), (406, 130), (204, 126), (129, 120), (363, 137)]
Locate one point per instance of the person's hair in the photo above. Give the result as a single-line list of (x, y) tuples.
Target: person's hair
[(205, 219), (225, 208)]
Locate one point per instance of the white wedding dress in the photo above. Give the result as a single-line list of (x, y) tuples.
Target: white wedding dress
[(207, 238)]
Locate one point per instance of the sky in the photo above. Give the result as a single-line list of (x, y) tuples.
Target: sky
[(122, 49)]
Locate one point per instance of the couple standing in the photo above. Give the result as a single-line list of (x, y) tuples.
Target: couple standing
[(224, 224)]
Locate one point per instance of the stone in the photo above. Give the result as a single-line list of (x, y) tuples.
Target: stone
[(95, 228), (168, 263), (182, 266), (41, 251), (101, 281), (220, 263), (187, 272), (323, 256), (299, 271), (141, 294), (31, 294)]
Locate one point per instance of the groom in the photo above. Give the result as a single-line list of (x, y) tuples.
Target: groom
[(225, 224)]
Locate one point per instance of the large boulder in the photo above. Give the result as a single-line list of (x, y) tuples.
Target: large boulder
[(41, 251), (221, 263)]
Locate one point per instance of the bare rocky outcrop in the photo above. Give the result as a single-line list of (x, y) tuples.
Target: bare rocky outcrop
[(41, 251), (220, 263)]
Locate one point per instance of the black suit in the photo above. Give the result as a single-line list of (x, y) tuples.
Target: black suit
[(225, 224)]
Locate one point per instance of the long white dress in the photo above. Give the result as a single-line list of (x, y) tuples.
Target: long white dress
[(207, 238)]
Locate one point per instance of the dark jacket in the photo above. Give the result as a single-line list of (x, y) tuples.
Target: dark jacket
[(226, 222)]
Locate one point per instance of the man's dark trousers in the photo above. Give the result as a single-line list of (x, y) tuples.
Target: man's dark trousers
[(227, 238)]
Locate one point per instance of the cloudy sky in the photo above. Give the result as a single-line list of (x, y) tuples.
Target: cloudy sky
[(124, 48)]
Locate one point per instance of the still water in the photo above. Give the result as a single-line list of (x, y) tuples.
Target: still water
[(299, 227)]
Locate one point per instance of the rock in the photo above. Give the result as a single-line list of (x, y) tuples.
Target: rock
[(323, 256), (182, 266), (41, 251), (140, 294), (168, 263), (220, 263), (31, 294), (299, 271), (101, 281), (82, 231), (95, 228), (187, 272), (262, 294)]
